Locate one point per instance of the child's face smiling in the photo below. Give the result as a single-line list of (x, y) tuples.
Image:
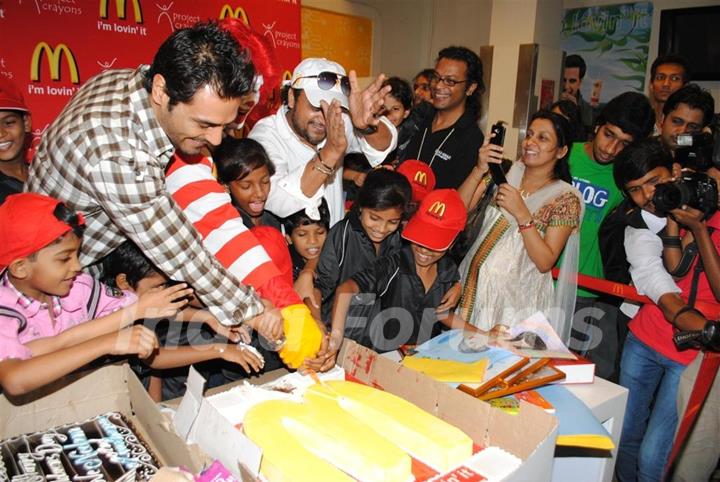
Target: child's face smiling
[(54, 269), (425, 257), (308, 240), (13, 130), (251, 192), (380, 223)]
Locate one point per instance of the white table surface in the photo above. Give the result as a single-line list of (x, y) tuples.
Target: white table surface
[(607, 402)]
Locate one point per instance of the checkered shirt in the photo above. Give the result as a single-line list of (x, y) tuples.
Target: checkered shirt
[(105, 156)]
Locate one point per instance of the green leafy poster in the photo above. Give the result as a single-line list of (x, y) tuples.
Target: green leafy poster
[(613, 40)]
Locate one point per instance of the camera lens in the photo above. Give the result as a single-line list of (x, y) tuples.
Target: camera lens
[(667, 197)]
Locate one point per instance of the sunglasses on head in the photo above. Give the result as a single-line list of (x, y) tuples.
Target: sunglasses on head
[(328, 80)]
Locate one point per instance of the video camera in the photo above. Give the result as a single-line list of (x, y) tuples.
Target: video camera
[(701, 151), (694, 189)]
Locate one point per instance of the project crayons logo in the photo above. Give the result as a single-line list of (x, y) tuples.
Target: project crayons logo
[(121, 9), (53, 56), (239, 13)]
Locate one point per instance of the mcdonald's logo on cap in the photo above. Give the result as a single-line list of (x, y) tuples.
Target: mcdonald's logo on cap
[(53, 56), (121, 9), (437, 209), (287, 76), (239, 13), (421, 178)]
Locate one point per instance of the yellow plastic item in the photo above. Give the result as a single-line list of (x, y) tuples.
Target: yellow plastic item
[(448, 370), (302, 335), (312, 442), (590, 441), (422, 435)]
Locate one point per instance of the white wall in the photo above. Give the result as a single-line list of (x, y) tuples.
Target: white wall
[(408, 34)]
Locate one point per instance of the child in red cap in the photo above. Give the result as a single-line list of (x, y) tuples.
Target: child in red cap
[(407, 286), (47, 304), (421, 178), (15, 126)]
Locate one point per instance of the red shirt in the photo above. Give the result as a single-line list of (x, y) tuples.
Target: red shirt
[(651, 327)]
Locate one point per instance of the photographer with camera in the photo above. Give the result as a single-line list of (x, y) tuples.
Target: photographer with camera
[(688, 129), (687, 115), (652, 364)]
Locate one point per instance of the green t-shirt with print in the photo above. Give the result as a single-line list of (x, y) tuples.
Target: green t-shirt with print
[(600, 194)]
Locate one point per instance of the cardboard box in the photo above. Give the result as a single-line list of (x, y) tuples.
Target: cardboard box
[(530, 435), (82, 396)]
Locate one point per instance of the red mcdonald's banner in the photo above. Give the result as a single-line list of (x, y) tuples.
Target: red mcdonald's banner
[(50, 47)]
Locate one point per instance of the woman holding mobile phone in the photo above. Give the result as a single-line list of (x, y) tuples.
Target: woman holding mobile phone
[(527, 225)]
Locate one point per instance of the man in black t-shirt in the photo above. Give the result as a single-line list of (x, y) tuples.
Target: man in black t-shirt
[(448, 138)]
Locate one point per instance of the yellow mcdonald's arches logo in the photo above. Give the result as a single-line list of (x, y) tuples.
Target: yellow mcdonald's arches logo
[(437, 209), (421, 178), (121, 9), (239, 13), (287, 76), (53, 56)]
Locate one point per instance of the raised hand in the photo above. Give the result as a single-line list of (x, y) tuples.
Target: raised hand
[(366, 105), (335, 129), (489, 153)]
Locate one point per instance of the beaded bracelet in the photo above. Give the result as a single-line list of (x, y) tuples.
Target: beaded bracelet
[(527, 225)]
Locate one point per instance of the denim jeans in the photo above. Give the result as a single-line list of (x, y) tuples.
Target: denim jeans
[(651, 414)]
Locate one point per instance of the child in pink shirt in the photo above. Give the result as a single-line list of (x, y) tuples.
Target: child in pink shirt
[(53, 318)]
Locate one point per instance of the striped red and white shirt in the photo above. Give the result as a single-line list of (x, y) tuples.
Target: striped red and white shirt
[(193, 186)]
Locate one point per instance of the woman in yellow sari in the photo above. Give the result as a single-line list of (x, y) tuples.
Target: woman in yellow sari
[(530, 221)]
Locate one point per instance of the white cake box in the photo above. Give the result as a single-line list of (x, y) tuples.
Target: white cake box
[(529, 435), (76, 398)]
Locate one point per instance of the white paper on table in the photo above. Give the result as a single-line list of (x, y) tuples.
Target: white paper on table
[(540, 326)]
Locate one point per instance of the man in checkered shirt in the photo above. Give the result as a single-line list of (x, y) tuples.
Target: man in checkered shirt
[(106, 154)]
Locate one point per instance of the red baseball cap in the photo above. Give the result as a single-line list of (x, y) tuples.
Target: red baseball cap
[(438, 221), (10, 96), (421, 177), (28, 224)]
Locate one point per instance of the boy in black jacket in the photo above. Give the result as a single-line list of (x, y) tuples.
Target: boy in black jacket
[(408, 285)]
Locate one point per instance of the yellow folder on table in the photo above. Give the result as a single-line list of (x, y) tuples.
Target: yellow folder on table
[(448, 370)]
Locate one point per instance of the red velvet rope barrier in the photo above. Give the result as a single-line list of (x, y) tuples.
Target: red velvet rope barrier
[(619, 290)]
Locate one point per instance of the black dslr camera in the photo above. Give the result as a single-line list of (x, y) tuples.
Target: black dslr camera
[(701, 151), (694, 189), (695, 151)]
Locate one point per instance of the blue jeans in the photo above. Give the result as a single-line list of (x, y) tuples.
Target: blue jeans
[(651, 414)]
